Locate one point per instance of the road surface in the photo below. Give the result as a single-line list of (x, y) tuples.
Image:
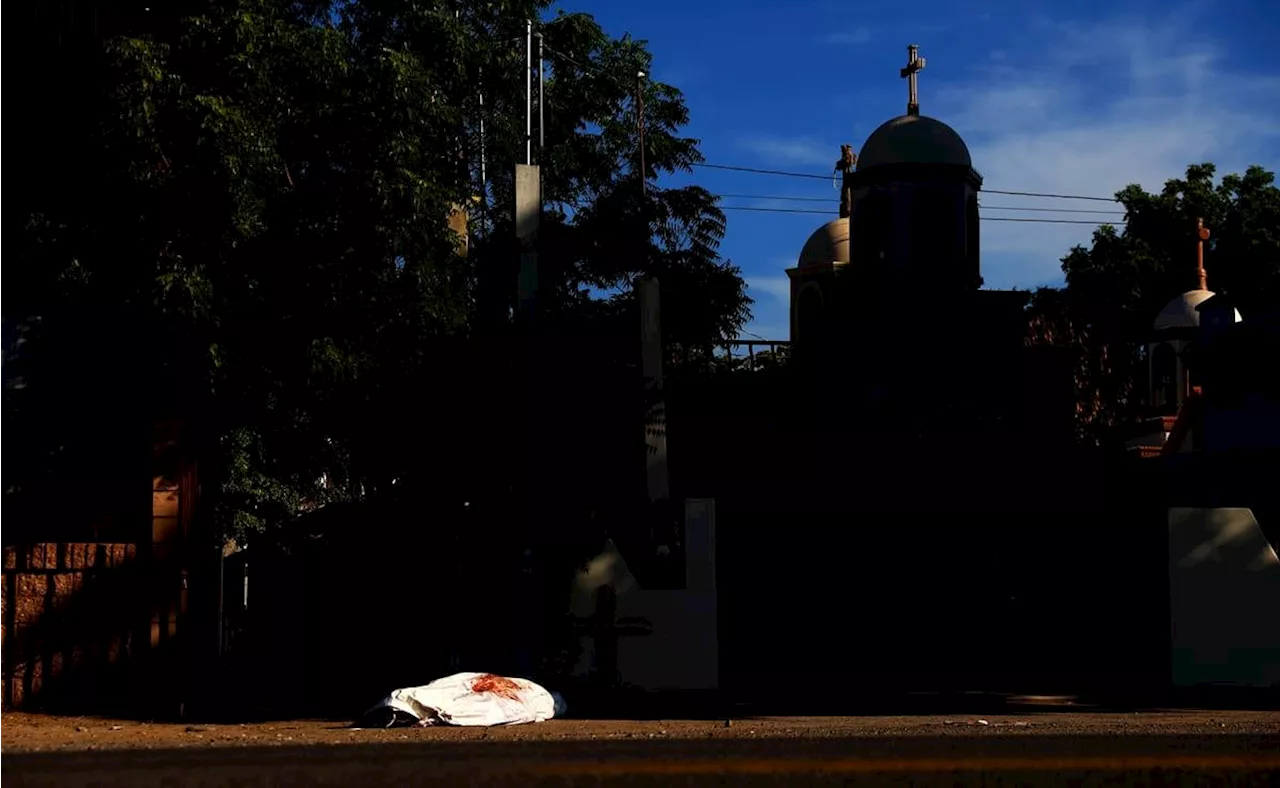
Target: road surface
[(1237, 748)]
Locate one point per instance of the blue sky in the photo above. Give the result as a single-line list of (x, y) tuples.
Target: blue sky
[(1069, 98)]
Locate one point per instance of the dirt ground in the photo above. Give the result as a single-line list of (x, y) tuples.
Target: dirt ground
[(20, 732), (1043, 749)]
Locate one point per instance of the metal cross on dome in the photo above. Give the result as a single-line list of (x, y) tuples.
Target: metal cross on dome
[(915, 64)]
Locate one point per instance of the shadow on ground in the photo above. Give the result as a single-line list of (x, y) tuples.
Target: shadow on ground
[(943, 760)]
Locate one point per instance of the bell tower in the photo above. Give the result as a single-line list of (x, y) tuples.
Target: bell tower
[(915, 197)]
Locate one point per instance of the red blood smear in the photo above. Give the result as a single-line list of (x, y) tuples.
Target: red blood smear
[(498, 685)]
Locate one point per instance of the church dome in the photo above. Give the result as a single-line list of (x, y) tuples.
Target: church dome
[(913, 139), (828, 244), (1181, 311)]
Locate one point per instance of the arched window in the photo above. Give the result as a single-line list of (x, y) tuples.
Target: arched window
[(1164, 378)]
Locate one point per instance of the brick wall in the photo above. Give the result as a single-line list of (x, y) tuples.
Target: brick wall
[(89, 625), (71, 615)]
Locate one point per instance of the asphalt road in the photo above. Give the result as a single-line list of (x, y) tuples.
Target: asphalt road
[(1077, 750)]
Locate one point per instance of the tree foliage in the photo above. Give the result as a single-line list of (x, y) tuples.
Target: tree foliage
[(235, 213), (1117, 286)]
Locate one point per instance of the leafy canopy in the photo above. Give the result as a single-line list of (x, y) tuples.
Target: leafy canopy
[(238, 218), (1117, 285)]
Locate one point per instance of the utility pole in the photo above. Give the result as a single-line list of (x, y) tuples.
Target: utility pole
[(528, 207), (528, 217), (657, 480), (530, 488)]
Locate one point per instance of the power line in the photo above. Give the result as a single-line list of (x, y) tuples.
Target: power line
[(789, 198), (575, 63), (1059, 196), (1049, 210), (593, 71), (770, 210), (984, 218), (786, 174), (1043, 221), (772, 197), (783, 173), (735, 168)]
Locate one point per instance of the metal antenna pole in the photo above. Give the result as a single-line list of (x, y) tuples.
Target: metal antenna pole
[(528, 92), (640, 129), (542, 137), (484, 176)]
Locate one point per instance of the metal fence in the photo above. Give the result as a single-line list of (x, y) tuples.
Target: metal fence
[(733, 356)]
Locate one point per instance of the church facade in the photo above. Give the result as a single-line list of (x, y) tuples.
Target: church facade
[(888, 307), (903, 507), (908, 509)]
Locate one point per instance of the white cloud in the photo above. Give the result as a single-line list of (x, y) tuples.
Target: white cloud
[(769, 287), (803, 150), (859, 35), (1101, 106)]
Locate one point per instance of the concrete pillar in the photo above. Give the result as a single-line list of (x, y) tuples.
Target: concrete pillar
[(700, 572), (700, 544), (528, 213), (655, 423), (1224, 598)]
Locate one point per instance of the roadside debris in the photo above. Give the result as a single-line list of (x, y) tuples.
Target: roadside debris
[(988, 723), (465, 699)]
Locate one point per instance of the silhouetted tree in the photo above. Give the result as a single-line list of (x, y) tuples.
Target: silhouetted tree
[(235, 213), (1117, 286)]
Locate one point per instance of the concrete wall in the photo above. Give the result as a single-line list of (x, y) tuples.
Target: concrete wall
[(860, 604), (1224, 599), (681, 650)]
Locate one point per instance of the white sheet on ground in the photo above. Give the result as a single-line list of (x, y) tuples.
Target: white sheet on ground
[(477, 699)]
